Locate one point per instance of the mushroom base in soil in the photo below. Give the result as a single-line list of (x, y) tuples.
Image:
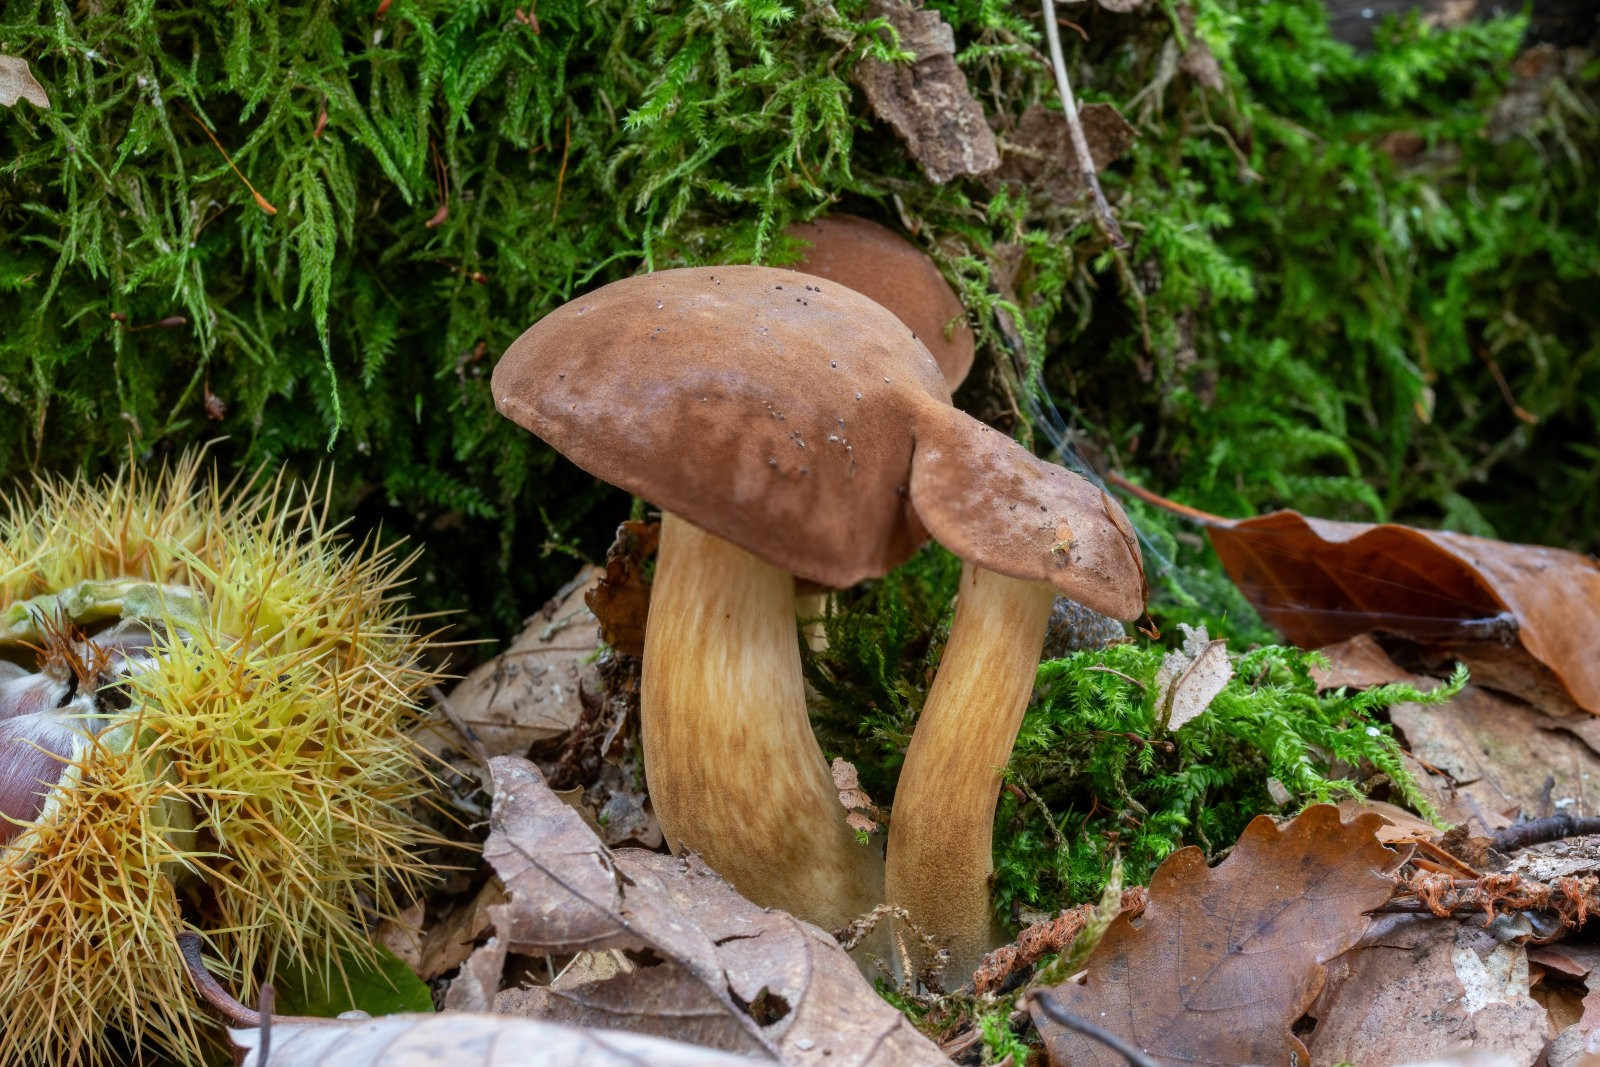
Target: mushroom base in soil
[(941, 829), (735, 771)]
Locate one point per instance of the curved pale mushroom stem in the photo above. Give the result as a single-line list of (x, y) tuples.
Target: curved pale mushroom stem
[(812, 608), (735, 772), (942, 823)]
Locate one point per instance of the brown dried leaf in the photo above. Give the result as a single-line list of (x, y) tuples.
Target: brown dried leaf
[(447, 944), (1523, 617), (1037, 152), (530, 693), (1320, 582), (1498, 761), (466, 1040), (17, 83), (864, 814), (753, 979), (1226, 959), (1190, 679), (1420, 989), (621, 599), (927, 101)]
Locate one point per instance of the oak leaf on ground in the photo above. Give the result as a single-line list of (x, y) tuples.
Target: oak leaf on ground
[(1225, 959)]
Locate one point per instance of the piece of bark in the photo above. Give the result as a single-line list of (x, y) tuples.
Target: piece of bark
[(927, 101)]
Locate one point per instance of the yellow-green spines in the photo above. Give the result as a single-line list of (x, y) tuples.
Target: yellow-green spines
[(259, 785)]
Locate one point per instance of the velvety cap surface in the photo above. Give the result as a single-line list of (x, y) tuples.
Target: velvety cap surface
[(772, 408), (991, 501), (879, 263)]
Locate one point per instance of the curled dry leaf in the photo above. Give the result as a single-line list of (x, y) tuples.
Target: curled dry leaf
[(466, 1040), (864, 814), (17, 83), (531, 692), (704, 960), (927, 101), (1418, 989), (1226, 959), (1523, 617), (621, 598), (1190, 678)]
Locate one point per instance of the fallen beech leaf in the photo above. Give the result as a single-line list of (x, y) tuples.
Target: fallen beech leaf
[(1417, 989), (706, 960), (1321, 581), (17, 83), (1225, 960), (529, 693), (927, 101), (466, 1040), (447, 944), (1190, 679), (621, 599)]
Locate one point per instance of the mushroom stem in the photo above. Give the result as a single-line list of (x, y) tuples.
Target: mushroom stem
[(735, 772), (812, 608), (941, 827)]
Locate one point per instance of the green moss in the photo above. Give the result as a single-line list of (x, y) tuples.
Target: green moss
[(1306, 315), (1101, 779)]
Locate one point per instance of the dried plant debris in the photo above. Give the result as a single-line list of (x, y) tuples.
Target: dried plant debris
[(1191, 677), (17, 83), (621, 598), (1037, 153), (695, 957), (1419, 989), (865, 817), (1225, 960), (927, 101), (1000, 967), (531, 693), (463, 1040), (1485, 758)]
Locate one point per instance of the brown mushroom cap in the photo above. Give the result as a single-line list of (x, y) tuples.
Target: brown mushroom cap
[(801, 421), (879, 263), (994, 503), (769, 407)]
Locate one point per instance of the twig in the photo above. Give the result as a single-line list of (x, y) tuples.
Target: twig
[(1057, 1014), (1080, 144), (261, 202), (1538, 831), (264, 1009), (210, 989)]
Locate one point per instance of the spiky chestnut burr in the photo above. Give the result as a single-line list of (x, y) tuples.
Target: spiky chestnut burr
[(203, 726)]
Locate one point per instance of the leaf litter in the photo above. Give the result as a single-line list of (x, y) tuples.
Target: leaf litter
[(701, 961)]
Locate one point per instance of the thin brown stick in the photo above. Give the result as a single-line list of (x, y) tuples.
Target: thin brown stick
[(262, 202), (1080, 144), (561, 175), (210, 989), (1169, 505), (1538, 831)]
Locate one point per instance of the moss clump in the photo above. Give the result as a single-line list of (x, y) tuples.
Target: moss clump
[(1098, 777)]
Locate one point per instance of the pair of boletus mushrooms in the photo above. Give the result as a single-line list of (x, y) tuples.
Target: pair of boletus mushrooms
[(788, 427)]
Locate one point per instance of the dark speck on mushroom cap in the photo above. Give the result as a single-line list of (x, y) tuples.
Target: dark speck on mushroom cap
[(772, 408)]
